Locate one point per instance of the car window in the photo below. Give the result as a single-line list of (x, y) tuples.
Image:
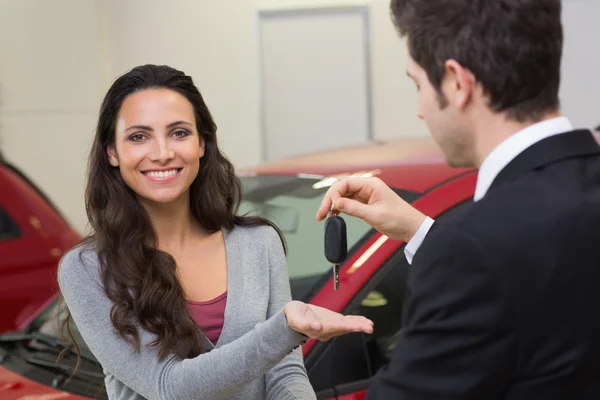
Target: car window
[(355, 358), (8, 228)]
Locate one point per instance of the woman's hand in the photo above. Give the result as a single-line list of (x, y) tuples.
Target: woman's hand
[(323, 324)]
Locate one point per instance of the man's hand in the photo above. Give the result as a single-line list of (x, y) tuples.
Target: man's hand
[(374, 202), (323, 324)]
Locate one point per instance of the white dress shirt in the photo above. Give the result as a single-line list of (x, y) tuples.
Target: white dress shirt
[(499, 158)]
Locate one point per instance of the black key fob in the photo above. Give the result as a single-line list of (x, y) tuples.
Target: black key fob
[(336, 245)]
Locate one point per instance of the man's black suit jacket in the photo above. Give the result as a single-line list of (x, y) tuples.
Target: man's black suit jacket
[(504, 303)]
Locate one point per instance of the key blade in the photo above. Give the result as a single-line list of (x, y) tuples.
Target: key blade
[(336, 277)]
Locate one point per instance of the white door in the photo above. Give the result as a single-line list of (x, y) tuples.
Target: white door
[(315, 80)]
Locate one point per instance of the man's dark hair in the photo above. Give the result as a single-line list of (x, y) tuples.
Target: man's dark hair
[(597, 129), (513, 47)]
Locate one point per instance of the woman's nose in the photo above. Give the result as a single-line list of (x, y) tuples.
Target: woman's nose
[(161, 151)]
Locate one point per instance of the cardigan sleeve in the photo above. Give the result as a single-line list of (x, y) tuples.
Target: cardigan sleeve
[(288, 380)]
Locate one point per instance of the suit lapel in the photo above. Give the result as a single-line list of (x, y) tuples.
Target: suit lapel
[(578, 143)]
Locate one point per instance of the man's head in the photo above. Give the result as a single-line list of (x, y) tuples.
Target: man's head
[(473, 60)]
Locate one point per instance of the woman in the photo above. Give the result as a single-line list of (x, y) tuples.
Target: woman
[(175, 295)]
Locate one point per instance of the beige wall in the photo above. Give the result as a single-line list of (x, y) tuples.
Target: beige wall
[(63, 54), (50, 89)]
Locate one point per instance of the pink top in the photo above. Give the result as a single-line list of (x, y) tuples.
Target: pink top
[(209, 316)]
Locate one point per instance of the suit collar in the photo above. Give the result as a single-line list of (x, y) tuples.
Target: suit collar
[(552, 149), (512, 146)]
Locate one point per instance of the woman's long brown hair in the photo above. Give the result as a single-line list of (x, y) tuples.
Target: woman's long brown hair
[(139, 279)]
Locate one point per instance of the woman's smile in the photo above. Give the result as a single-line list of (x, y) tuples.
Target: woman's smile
[(163, 175)]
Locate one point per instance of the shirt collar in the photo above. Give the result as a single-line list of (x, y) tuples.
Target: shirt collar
[(511, 147)]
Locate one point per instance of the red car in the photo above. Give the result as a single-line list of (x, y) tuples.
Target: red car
[(372, 280), (33, 238)]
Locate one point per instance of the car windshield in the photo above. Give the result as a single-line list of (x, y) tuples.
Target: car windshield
[(291, 202)]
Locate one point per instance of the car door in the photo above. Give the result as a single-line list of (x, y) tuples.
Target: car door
[(343, 367), (30, 248)]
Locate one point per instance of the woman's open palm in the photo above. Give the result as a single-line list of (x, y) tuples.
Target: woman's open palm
[(323, 324)]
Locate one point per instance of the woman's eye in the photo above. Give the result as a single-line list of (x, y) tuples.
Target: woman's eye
[(137, 137), (180, 133)]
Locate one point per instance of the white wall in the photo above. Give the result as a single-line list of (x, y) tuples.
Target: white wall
[(50, 90), (394, 95)]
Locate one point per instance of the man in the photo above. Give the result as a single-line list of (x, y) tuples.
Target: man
[(502, 303)]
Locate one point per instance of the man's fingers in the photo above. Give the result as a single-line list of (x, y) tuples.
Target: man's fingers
[(325, 206), (337, 190), (352, 207), (341, 189)]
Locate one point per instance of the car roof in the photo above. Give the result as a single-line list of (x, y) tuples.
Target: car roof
[(414, 164)]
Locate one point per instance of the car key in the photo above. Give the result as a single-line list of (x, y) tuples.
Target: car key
[(336, 246)]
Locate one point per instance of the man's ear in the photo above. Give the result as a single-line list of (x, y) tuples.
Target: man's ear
[(112, 155), (462, 83)]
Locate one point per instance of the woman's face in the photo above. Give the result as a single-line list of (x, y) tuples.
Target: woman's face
[(157, 148)]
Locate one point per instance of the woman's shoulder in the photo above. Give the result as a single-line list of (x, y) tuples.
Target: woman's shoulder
[(255, 238), (255, 232), (80, 262)]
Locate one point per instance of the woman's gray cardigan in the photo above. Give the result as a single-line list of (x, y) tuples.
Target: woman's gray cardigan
[(252, 358)]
